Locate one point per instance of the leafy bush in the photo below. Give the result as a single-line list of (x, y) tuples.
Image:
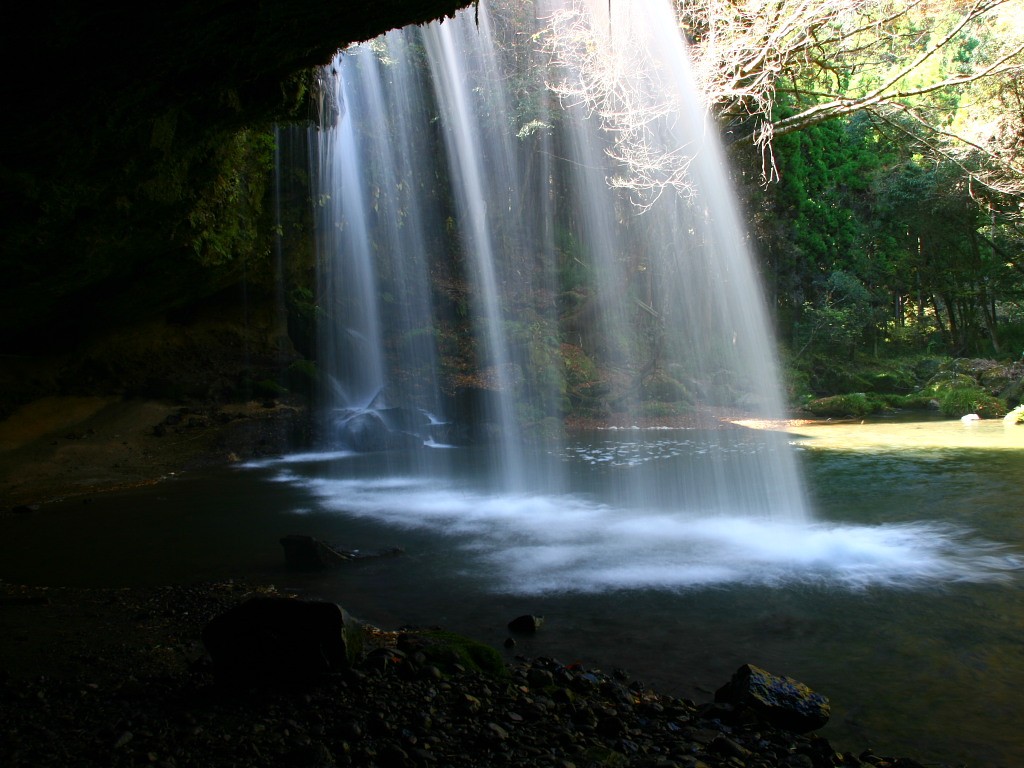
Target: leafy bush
[(834, 323), (961, 400)]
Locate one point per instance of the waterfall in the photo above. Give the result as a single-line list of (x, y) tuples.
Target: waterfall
[(480, 269)]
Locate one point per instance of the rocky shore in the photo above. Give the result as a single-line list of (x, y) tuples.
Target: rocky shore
[(121, 678)]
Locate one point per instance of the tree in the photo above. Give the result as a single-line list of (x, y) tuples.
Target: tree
[(905, 63)]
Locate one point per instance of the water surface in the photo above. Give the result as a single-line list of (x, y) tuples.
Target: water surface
[(902, 600)]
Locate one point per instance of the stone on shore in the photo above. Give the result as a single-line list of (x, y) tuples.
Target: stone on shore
[(782, 701), (526, 624), (279, 640)]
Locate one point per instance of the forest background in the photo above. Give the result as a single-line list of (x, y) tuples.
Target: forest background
[(877, 146)]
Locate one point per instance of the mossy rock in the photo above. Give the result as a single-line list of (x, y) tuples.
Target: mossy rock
[(835, 379), (946, 380), (580, 370), (960, 401), (301, 377), (445, 649), (973, 367), (853, 404), (915, 402), (662, 388), (892, 382), (926, 368)]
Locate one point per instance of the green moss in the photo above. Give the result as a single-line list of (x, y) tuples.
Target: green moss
[(663, 388), (853, 404), (301, 377), (959, 394), (915, 402), (446, 648), (959, 401)]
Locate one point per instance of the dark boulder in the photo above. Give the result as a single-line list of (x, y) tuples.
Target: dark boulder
[(389, 429), (782, 701), (525, 624), (402, 419), (277, 640), (365, 432)]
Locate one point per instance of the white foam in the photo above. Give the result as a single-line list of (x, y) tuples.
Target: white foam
[(530, 544), (296, 458)]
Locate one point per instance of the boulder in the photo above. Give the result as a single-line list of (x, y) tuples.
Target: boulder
[(278, 640), (404, 419), (365, 432), (526, 624), (305, 553), (781, 701), (854, 404), (388, 429)]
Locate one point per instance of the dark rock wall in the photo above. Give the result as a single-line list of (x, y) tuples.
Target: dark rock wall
[(136, 148)]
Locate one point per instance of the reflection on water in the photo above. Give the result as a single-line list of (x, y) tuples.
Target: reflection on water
[(902, 601)]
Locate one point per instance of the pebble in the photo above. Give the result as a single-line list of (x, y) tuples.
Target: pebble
[(542, 713)]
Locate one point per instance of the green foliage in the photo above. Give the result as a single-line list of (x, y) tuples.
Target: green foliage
[(837, 321), (582, 379), (1011, 335), (301, 377), (543, 366), (573, 272), (226, 213), (865, 200), (959, 395)]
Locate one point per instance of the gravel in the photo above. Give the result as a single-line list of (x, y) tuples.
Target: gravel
[(119, 678)]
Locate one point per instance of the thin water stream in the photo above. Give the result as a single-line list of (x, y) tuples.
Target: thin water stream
[(903, 602)]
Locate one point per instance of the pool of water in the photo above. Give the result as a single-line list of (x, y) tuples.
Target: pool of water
[(900, 598)]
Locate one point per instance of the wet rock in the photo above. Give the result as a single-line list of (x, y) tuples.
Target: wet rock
[(385, 710), (526, 624), (722, 745), (495, 731), (385, 429), (274, 640), (305, 553), (539, 678), (365, 432), (782, 701), (403, 419)]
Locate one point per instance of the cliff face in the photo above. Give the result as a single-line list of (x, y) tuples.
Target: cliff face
[(136, 148)]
